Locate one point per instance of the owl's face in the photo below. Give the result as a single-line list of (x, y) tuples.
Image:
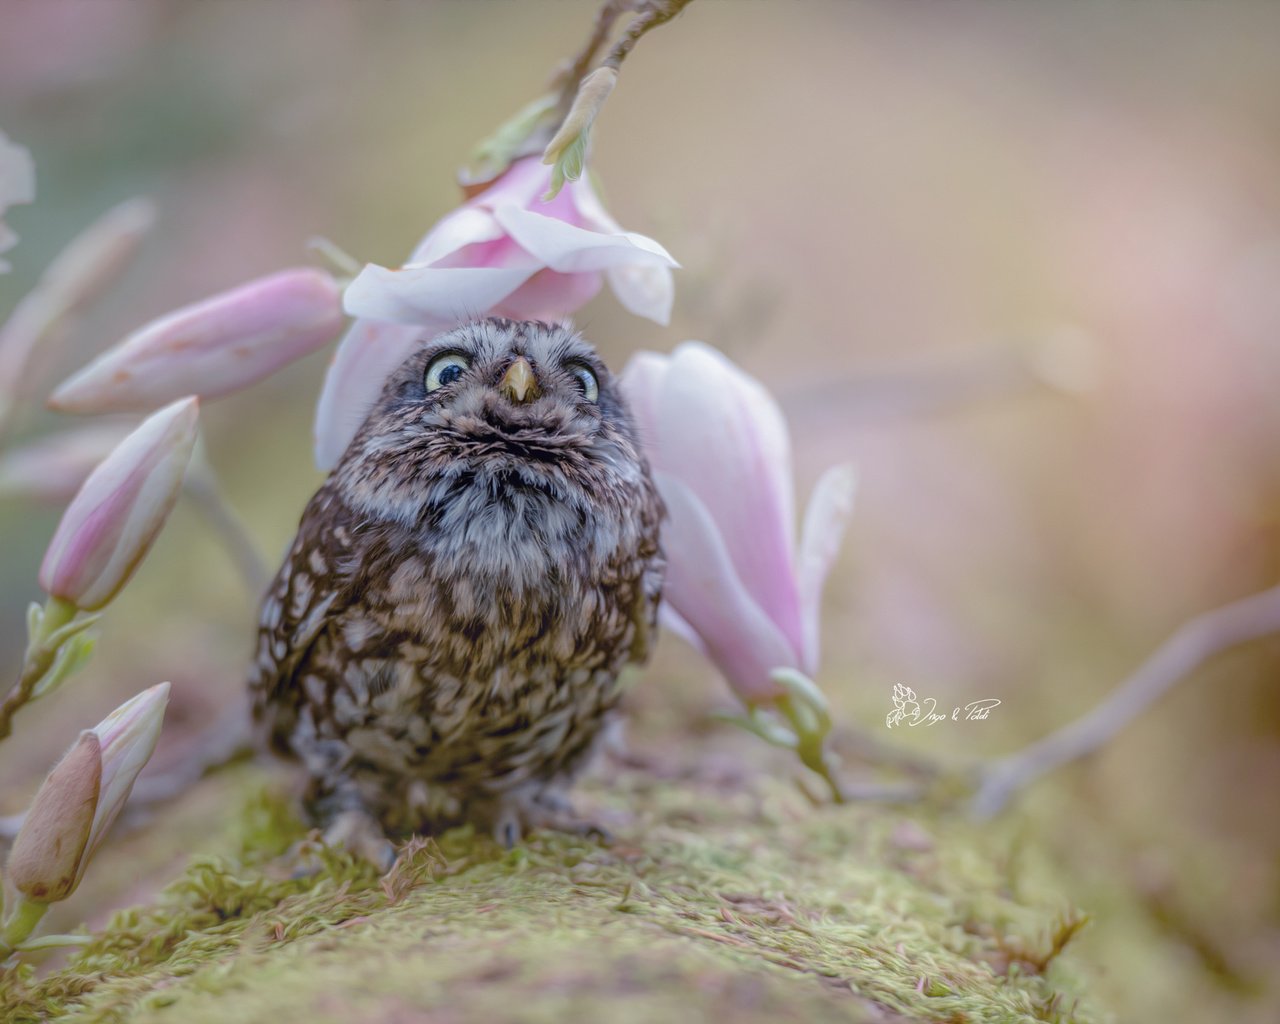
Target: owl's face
[(519, 411)]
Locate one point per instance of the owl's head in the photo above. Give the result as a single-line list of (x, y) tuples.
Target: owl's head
[(497, 406)]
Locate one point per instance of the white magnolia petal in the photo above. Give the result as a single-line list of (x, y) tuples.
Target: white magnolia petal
[(463, 227), (570, 249), (825, 521), (362, 363), (722, 434), (589, 207), (128, 738), (649, 292), (704, 589), (432, 294)]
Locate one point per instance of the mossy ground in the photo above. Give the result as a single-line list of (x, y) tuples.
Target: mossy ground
[(716, 897)]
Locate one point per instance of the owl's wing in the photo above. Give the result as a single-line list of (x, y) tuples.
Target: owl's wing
[(644, 611), (314, 585)]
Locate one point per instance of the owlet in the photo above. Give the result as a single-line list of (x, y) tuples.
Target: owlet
[(444, 638)]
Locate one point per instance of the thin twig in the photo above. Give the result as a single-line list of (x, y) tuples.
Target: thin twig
[(577, 68), (201, 485), (20, 694), (654, 13), (1194, 643)]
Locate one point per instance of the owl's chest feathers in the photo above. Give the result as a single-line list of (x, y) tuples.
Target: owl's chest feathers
[(500, 587)]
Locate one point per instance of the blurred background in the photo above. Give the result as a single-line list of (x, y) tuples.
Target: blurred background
[(876, 205)]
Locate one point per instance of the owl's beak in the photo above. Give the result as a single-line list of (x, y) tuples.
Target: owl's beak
[(518, 383)]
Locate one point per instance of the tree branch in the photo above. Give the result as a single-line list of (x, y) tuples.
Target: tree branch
[(1194, 643)]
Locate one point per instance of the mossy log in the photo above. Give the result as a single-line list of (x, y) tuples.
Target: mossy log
[(714, 899)]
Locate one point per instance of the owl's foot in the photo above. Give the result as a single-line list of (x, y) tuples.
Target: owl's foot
[(359, 833), (547, 811)]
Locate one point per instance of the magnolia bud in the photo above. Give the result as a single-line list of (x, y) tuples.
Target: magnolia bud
[(114, 518), (53, 468), (211, 348), (80, 799), (17, 185), (44, 864)]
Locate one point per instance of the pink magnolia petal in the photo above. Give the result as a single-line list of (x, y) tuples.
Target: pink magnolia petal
[(522, 183), (642, 383), (649, 292), (570, 249), (364, 360), (432, 295), (704, 589), (459, 229), (591, 211), (549, 296), (724, 436), (825, 520), (53, 468), (670, 619), (128, 738)]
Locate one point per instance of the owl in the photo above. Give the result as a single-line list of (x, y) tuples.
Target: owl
[(444, 639)]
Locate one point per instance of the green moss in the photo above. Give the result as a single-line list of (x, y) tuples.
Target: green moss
[(750, 903)]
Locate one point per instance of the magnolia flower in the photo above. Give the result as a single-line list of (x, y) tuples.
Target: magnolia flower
[(738, 587), (211, 348), (80, 799), (114, 518), (17, 185), (504, 252), (53, 468)]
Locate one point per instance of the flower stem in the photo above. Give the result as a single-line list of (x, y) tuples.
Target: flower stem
[(811, 744), (202, 487), (40, 657), (24, 917)]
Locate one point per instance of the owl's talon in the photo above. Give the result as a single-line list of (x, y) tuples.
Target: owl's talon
[(507, 831), (359, 834), (549, 812)]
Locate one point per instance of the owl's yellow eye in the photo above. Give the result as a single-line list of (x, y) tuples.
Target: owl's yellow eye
[(585, 381), (445, 369)]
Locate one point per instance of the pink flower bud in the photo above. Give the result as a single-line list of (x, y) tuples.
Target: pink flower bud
[(114, 518), (737, 584), (53, 468), (17, 185), (44, 864), (211, 348), (80, 799), (77, 275), (128, 737)]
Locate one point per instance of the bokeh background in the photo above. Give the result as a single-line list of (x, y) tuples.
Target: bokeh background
[(880, 209)]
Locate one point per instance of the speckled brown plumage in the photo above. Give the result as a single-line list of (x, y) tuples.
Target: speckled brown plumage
[(444, 638)]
